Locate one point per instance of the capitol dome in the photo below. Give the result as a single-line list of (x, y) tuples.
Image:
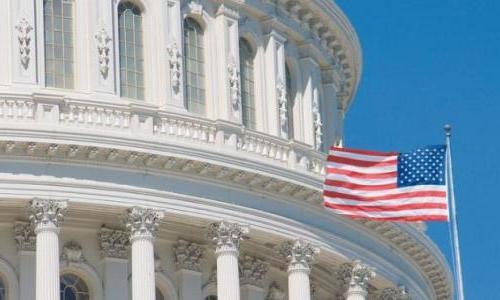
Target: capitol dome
[(175, 150)]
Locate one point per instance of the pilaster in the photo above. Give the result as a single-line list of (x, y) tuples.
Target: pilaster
[(228, 106), (23, 41), (311, 101), (26, 245), (188, 257), (114, 246)]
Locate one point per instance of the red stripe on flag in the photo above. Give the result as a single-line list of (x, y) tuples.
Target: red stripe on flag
[(387, 208), (361, 175), (440, 194), (366, 152), (361, 163), (360, 187)]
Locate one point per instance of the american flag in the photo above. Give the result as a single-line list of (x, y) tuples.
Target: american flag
[(387, 186)]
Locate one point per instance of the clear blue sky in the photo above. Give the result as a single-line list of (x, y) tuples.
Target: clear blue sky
[(428, 62)]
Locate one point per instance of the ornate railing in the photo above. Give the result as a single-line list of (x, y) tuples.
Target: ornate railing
[(154, 123)]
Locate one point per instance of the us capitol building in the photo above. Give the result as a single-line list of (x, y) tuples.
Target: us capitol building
[(175, 150)]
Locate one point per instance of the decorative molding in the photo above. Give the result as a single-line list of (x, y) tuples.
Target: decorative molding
[(103, 50), (24, 29), (253, 270), (318, 124), (46, 212), (361, 274), (175, 64), (142, 222), (282, 106), (72, 253), (393, 293), (188, 255), (226, 235), (275, 292), (234, 86), (24, 236), (300, 254), (114, 243)]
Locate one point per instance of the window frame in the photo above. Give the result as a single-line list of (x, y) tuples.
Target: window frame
[(202, 78), (251, 122)]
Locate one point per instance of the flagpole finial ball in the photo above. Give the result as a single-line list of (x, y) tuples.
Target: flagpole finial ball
[(447, 129)]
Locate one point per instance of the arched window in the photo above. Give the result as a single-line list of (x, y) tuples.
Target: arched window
[(159, 295), (3, 292), (194, 60), (58, 34), (247, 84), (290, 100), (131, 54), (73, 288)]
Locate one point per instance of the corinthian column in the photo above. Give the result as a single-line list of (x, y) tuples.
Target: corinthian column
[(360, 275), (142, 224), (300, 255), (45, 216), (227, 237)]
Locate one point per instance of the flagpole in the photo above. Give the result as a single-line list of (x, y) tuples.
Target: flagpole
[(453, 217)]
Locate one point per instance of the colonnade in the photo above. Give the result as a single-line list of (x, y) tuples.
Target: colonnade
[(142, 224)]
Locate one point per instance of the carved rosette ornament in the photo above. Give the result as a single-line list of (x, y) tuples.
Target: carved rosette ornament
[(227, 236), (72, 253), (24, 29), (142, 222), (300, 255), (399, 293), (282, 107), (174, 61), (188, 255), (24, 236), (45, 213), (114, 243), (234, 86), (275, 292), (253, 270), (103, 50), (318, 125)]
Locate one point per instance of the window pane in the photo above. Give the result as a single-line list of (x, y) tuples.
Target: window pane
[(58, 23), (247, 85), (130, 41), (73, 288), (193, 62)]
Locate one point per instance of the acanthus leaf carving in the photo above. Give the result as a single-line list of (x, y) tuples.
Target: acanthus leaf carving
[(282, 106), (142, 222), (253, 270), (361, 274), (103, 50), (175, 65), (46, 212), (393, 293), (113, 243), (234, 86), (318, 124), (226, 235), (188, 255), (24, 29), (24, 236), (299, 253)]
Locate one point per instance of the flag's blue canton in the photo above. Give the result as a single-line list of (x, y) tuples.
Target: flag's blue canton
[(422, 166)]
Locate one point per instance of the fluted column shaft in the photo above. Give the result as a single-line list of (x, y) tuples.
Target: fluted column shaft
[(299, 287), (142, 224), (228, 279), (226, 237), (47, 262), (45, 216), (143, 268), (356, 293)]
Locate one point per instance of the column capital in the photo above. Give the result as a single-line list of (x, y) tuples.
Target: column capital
[(142, 222), (253, 270), (46, 213), (300, 255), (227, 236), (114, 243), (361, 274), (25, 236), (188, 255), (393, 293)]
